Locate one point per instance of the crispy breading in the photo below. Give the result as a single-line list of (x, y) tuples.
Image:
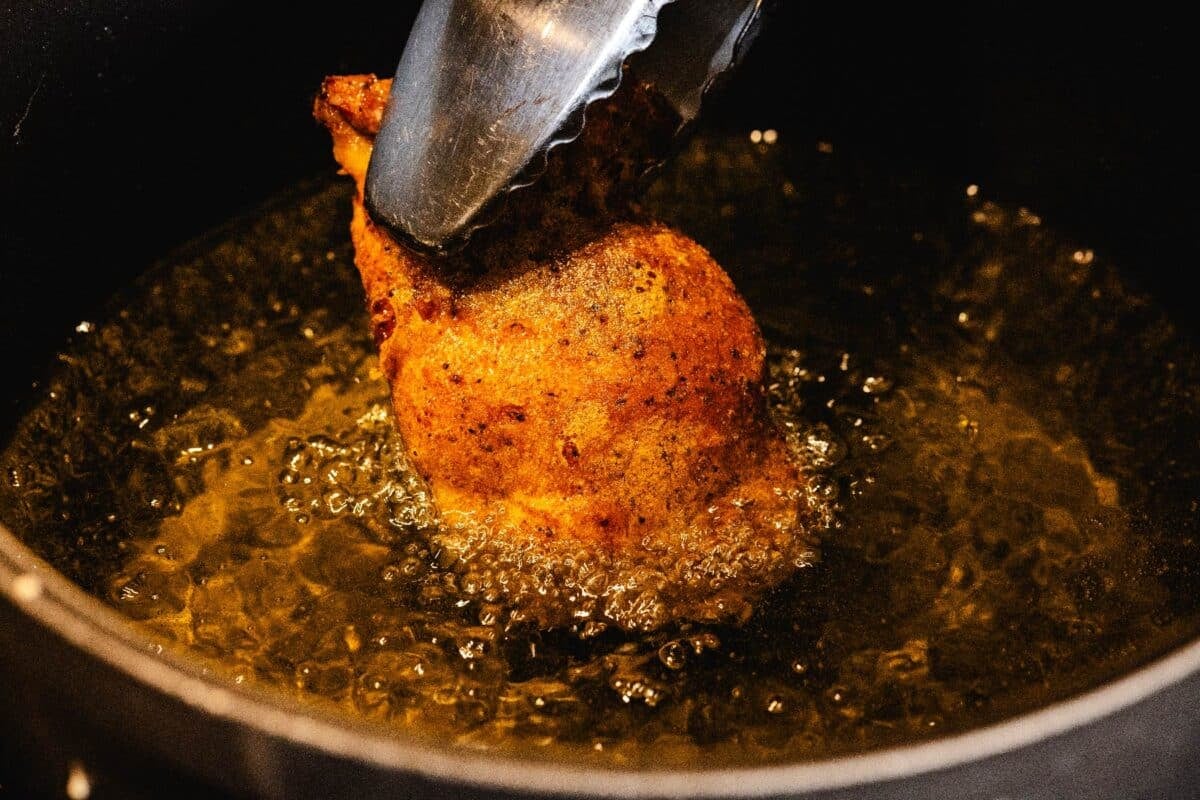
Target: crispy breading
[(582, 390)]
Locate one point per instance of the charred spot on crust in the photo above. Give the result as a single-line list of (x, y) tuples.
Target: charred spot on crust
[(383, 320)]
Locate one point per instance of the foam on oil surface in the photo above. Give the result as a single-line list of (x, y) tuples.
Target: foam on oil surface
[(1000, 433)]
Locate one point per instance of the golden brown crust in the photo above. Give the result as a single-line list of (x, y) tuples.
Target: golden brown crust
[(354, 101), (602, 400)]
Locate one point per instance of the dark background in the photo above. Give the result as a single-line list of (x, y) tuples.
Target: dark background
[(129, 127)]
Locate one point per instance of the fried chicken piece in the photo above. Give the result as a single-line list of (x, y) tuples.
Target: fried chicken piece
[(583, 397)]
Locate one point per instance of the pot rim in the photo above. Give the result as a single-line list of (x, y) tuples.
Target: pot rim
[(55, 602)]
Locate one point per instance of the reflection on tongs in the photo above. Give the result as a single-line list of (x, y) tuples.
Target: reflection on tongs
[(486, 87)]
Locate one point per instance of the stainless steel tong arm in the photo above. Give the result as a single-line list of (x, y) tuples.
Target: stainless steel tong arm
[(486, 87)]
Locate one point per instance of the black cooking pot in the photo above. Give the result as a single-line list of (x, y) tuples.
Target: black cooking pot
[(128, 127)]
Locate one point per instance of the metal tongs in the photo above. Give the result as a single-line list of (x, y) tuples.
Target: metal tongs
[(486, 88)]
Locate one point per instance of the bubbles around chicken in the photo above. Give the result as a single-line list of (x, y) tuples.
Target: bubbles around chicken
[(214, 457)]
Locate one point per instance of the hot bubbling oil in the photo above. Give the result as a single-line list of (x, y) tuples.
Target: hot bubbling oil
[(215, 458)]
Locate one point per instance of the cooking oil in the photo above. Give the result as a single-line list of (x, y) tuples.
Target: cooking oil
[(1003, 434)]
